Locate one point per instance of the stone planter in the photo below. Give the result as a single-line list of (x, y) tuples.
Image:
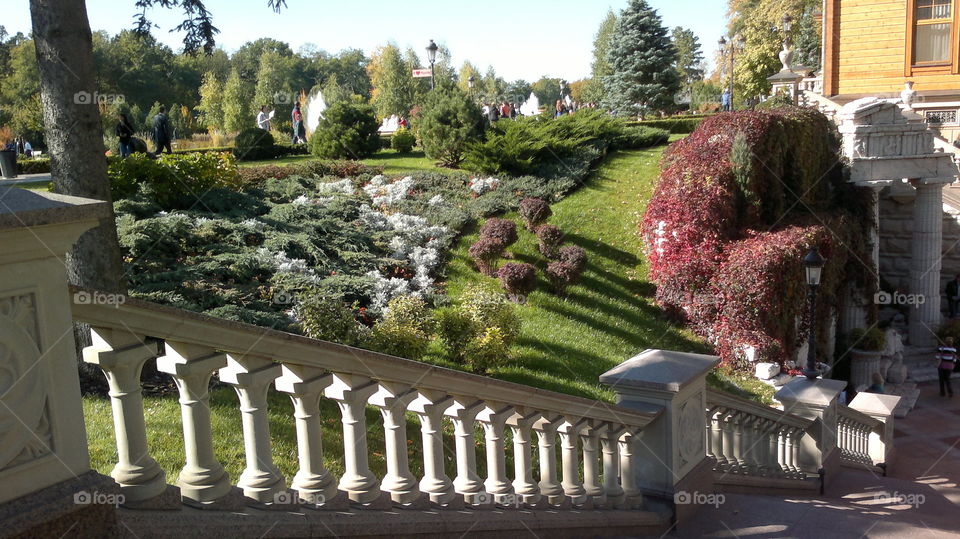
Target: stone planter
[(863, 363)]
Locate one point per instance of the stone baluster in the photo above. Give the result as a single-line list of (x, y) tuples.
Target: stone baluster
[(463, 412), (202, 480), (590, 444), (351, 393), (121, 356), (251, 377), (738, 419), (795, 452), (628, 470), (392, 400), (493, 418), (546, 429), (524, 486), (752, 441), (782, 458), (771, 463), (609, 446), (570, 457), (305, 386), (430, 407), (729, 441), (716, 438)]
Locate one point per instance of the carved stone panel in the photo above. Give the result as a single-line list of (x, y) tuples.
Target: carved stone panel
[(691, 420), (25, 417)]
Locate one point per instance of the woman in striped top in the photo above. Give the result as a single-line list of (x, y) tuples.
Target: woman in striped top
[(946, 361)]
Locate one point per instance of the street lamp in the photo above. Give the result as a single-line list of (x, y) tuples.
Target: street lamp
[(735, 41), (432, 58), (813, 265), (470, 81)]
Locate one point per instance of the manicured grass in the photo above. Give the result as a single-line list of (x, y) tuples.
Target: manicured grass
[(395, 164), (34, 186), (567, 342)]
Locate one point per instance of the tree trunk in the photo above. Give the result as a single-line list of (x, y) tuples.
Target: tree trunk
[(61, 33), (71, 117)]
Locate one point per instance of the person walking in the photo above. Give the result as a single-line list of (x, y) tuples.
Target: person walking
[(263, 119), (946, 362), (953, 296), (297, 117), (125, 133), (161, 131), (725, 100)]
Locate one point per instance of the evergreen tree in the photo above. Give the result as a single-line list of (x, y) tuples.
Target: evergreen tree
[(237, 97), (393, 88), (273, 88), (211, 103), (600, 68), (689, 57), (642, 59)]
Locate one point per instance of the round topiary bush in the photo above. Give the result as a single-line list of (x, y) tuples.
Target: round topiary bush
[(253, 144), (485, 253), (403, 140), (518, 280), (503, 231), (550, 239), (574, 257), (347, 131), (534, 212), (561, 276)]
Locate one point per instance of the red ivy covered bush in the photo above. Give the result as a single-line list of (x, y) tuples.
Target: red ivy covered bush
[(562, 275), (534, 212), (518, 279), (550, 238), (485, 253), (503, 231), (574, 257), (738, 204)]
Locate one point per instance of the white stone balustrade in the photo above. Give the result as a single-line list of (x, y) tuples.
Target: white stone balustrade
[(463, 412), (351, 393), (524, 486), (494, 418), (430, 407), (393, 399), (855, 431), (570, 458)]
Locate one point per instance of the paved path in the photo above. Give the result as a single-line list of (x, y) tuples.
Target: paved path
[(920, 498), (26, 178)]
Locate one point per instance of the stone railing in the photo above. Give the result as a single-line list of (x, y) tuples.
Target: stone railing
[(854, 431), (191, 348), (747, 438)]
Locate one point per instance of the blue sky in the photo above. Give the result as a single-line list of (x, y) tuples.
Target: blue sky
[(520, 39)]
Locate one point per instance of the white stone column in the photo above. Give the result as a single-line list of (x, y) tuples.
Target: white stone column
[(393, 399), (546, 429), (590, 443), (463, 412), (430, 407), (629, 468), (494, 418), (305, 385), (927, 248), (122, 355), (351, 393), (251, 377), (570, 457), (203, 479), (609, 444), (524, 485)]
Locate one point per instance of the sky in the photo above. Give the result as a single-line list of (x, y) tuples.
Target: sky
[(523, 39)]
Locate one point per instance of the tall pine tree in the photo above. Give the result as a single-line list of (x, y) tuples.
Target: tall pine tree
[(642, 58)]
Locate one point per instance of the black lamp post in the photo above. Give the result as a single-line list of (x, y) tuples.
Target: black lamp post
[(432, 58), (736, 41), (813, 264), (470, 81)]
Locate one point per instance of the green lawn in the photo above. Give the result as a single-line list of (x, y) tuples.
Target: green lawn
[(395, 164)]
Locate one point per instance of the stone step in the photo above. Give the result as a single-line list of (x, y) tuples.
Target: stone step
[(908, 393)]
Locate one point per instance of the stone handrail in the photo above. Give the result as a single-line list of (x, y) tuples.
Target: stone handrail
[(192, 347), (751, 439), (853, 434)]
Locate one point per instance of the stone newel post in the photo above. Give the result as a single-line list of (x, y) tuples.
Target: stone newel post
[(815, 400), (46, 485), (671, 449)]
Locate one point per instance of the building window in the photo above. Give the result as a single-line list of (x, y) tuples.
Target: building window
[(939, 117), (934, 23)]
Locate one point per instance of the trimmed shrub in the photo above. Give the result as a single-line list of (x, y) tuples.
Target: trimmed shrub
[(518, 279), (173, 181), (403, 140), (550, 238), (480, 331), (33, 166), (447, 123), (326, 318), (561, 276), (347, 131), (253, 144), (502, 231), (675, 126), (574, 257), (534, 212), (406, 328), (485, 253)]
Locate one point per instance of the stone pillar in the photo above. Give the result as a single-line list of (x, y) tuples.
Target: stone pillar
[(524, 486), (494, 419), (546, 429), (44, 463), (463, 413), (816, 400), (430, 407), (351, 393), (570, 459), (879, 407), (927, 248), (393, 399)]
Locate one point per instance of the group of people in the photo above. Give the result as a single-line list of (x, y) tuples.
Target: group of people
[(296, 119), (494, 111), (563, 108), (21, 146)]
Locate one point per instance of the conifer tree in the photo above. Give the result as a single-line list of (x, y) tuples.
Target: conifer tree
[(237, 97), (642, 58)]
